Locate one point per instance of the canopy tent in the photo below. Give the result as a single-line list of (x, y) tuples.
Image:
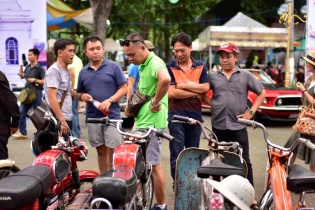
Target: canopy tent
[(243, 31), (60, 15)]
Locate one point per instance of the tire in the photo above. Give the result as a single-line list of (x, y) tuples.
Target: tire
[(7, 171), (149, 192), (65, 198)]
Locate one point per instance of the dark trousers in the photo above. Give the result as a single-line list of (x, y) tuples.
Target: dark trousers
[(240, 136), (3, 147), (186, 136)]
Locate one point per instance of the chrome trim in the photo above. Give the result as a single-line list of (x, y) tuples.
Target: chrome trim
[(281, 108)]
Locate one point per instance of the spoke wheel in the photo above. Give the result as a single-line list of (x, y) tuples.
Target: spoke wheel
[(149, 192)]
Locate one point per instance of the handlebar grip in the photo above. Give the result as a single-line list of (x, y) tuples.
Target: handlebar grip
[(76, 142), (181, 118), (165, 135), (245, 122), (233, 147), (309, 144), (102, 120)]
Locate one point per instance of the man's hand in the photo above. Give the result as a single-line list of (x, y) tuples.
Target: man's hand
[(85, 97), (104, 106), (64, 127), (246, 115)]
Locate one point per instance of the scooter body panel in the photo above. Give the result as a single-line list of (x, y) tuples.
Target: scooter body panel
[(188, 186)]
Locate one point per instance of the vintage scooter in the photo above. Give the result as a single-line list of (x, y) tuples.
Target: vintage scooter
[(194, 166)]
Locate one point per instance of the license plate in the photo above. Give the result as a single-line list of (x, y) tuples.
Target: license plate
[(293, 115)]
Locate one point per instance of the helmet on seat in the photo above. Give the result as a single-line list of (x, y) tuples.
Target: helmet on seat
[(42, 141)]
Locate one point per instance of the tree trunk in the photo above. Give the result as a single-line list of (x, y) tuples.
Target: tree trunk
[(101, 10)]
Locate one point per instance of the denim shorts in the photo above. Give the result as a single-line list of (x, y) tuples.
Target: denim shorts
[(154, 149), (100, 134)]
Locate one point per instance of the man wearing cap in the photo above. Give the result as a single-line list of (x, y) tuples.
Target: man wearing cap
[(133, 72), (230, 88), (189, 81)]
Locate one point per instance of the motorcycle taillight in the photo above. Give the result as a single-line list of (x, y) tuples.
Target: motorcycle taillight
[(216, 201)]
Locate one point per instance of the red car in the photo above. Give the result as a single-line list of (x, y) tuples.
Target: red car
[(280, 104)]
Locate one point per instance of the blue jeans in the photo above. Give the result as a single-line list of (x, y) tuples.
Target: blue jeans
[(186, 136), (240, 136), (76, 130), (23, 111)]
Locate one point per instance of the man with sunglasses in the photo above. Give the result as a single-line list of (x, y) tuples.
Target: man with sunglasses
[(154, 81)]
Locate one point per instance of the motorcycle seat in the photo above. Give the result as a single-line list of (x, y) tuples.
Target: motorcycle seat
[(218, 168), (300, 179), (24, 187), (117, 185)]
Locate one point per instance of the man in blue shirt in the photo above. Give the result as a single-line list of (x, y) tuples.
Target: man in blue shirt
[(104, 81)]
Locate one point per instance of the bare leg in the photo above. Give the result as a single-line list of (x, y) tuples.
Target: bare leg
[(159, 184), (102, 158)]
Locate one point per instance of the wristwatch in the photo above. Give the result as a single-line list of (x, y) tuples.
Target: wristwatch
[(111, 100), (35, 81), (251, 112)]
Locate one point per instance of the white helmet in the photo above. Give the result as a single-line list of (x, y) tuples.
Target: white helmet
[(237, 189)]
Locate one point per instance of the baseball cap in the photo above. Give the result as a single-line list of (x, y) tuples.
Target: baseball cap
[(228, 47), (149, 45)]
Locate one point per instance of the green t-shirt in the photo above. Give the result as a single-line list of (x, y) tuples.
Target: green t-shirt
[(147, 85)]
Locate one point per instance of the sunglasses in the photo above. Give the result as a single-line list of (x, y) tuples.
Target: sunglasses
[(127, 42)]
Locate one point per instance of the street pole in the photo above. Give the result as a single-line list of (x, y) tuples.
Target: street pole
[(289, 60)]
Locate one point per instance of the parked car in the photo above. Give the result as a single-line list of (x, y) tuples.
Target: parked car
[(280, 104)]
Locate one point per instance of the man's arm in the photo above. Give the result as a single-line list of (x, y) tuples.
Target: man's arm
[(21, 73), (164, 80), (196, 88), (173, 92), (259, 100), (122, 91), (55, 106)]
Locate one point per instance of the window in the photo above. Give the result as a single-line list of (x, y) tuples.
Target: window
[(11, 50)]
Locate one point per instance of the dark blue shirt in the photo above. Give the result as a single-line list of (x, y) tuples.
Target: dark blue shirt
[(101, 85)]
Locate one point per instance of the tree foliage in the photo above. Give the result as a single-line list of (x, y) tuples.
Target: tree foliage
[(155, 20)]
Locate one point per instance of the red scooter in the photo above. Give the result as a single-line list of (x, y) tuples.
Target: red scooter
[(54, 179)]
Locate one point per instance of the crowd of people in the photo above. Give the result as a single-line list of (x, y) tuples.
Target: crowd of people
[(176, 88)]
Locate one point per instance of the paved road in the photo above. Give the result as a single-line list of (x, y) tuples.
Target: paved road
[(278, 132)]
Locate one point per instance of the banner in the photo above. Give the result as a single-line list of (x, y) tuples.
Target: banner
[(22, 27)]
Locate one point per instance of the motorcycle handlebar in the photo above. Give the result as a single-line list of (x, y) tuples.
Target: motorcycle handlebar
[(233, 146), (77, 143), (117, 124), (254, 124)]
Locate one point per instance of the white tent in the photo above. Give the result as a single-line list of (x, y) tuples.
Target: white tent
[(111, 45), (243, 31)]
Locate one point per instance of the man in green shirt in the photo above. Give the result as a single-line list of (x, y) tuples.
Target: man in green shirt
[(154, 81)]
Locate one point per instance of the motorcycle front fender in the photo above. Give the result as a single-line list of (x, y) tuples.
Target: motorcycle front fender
[(188, 186)]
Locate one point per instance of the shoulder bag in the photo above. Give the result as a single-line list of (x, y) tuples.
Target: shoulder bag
[(37, 115), (135, 102), (305, 122), (27, 95)]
